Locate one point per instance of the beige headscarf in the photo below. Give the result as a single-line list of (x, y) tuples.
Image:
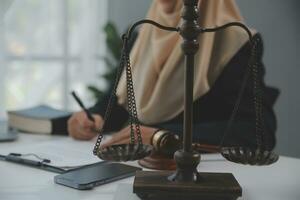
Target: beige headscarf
[(158, 62)]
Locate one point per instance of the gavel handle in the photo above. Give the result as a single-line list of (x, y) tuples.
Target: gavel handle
[(206, 148)]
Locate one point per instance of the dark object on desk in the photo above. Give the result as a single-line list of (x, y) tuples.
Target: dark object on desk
[(214, 186), (87, 112), (160, 161), (124, 152), (165, 144), (135, 150), (7, 134), (87, 177), (39, 119), (249, 156), (187, 182), (17, 159)]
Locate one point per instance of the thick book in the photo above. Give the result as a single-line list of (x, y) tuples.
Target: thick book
[(40, 119)]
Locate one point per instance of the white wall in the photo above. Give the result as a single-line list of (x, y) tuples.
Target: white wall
[(126, 12), (278, 21)]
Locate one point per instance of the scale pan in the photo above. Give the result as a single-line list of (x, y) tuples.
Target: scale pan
[(124, 152), (248, 156)]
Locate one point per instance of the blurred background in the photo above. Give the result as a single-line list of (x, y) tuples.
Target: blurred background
[(48, 48)]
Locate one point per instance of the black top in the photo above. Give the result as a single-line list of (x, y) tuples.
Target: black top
[(212, 110)]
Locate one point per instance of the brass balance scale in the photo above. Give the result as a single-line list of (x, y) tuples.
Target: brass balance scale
[(186, 182)]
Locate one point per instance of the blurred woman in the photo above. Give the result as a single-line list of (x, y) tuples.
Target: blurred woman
[(157, 68)]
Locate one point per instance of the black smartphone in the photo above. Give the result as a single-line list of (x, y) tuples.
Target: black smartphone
[(89, 176)]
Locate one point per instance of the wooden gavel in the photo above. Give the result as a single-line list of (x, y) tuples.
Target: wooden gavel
[(165, 144)]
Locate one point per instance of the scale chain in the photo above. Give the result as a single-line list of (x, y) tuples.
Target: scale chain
[(111, 100)]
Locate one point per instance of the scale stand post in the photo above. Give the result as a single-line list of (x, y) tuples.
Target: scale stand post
[(186, 182)]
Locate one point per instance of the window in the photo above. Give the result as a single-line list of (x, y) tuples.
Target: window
[(49, 48)]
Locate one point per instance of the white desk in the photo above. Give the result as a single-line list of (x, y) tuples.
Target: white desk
[(280, 181)]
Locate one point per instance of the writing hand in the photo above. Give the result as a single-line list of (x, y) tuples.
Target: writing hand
[(123, 136), (81, 128)]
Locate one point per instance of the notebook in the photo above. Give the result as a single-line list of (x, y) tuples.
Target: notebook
[(41, 119)]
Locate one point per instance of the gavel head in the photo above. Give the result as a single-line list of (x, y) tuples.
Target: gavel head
[(166, 143)]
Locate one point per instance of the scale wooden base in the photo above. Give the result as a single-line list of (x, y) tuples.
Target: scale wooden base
[(154, 185), (158, 162)]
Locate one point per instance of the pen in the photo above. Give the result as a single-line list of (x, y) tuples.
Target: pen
[(31, 163), (87, 112)]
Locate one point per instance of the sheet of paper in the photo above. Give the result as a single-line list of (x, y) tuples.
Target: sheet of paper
[(62, 151)]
